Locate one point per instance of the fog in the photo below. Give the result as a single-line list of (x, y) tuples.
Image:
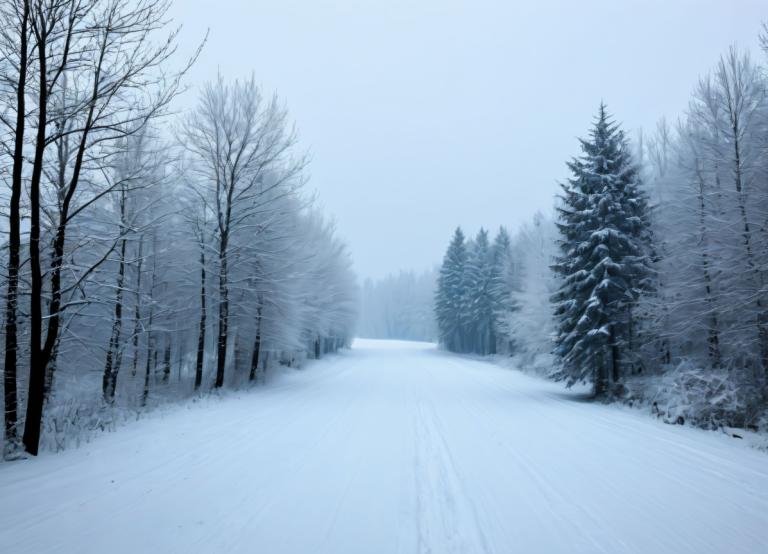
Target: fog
[(424, 115), (323, 301)]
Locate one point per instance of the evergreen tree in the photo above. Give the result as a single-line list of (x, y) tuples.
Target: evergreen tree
[(503, 283), (450, 296), (605, 241), (480, 307)]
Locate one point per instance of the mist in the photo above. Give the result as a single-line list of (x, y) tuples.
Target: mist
[(355, 276), (421, 116)]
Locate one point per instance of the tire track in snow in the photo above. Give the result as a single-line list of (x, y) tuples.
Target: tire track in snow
[(614, 445), (447, 519), (393, 448)]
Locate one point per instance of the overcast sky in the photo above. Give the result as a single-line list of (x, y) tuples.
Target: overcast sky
[(424, 114)]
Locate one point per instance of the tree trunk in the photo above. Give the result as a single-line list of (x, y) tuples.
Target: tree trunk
[(713, 332), (114, 357), (37, 358), (150, 336), (167, 359), (137, 311), (50, 374), (201, 331), (256, 347), (601, 377), (14, 246), (40, 352), (762, 328), (180, 349), (221, 346), (615, 359), (148, 366)]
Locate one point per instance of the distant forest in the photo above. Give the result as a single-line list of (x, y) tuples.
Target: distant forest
[(399, 306)]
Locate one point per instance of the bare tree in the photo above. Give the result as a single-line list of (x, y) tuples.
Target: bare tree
[(15, 54), (729, 106), (197, 217), (136, 169), (108, 272), (99, 79), (237, 139)]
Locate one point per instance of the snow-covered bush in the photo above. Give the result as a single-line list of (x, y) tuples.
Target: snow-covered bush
[(706, 398), (74, 422)]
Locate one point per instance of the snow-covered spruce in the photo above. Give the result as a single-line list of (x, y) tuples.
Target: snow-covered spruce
[(604, 265), (473, 297), (652, 279)]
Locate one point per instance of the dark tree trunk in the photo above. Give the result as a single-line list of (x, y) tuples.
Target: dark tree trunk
[(615, 359), (601, 378), (148, 365), (221, 344), (37, 358), (14, 245), (137, 311), (179, 358), (114, 357), (150, 336), (256, 347), (201, 331), (167, 360), (255, 357), (40, 353)]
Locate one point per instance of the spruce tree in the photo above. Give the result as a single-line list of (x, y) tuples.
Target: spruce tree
[(479, 311), (451, 294), (603, 222), (503, 283)]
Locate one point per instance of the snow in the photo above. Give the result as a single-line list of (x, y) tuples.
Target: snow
[(393, 447)]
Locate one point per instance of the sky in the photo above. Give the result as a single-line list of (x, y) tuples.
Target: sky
[(423, 115)]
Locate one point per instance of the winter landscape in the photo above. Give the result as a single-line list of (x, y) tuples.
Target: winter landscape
[(364, 277)]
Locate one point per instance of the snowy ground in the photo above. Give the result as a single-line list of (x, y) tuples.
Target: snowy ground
[(391, 448)]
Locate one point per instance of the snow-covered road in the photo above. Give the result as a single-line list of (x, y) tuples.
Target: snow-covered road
[(393, 448)]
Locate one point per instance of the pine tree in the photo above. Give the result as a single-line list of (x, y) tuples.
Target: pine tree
[(450, 296), (605, 241)]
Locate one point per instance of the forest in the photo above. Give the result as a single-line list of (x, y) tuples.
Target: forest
[(297, 277), (152, 254), (148, 254), (649, 282)]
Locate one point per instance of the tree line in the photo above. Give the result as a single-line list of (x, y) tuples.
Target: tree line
[(649, 283), (146, 254), (474, 293)]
